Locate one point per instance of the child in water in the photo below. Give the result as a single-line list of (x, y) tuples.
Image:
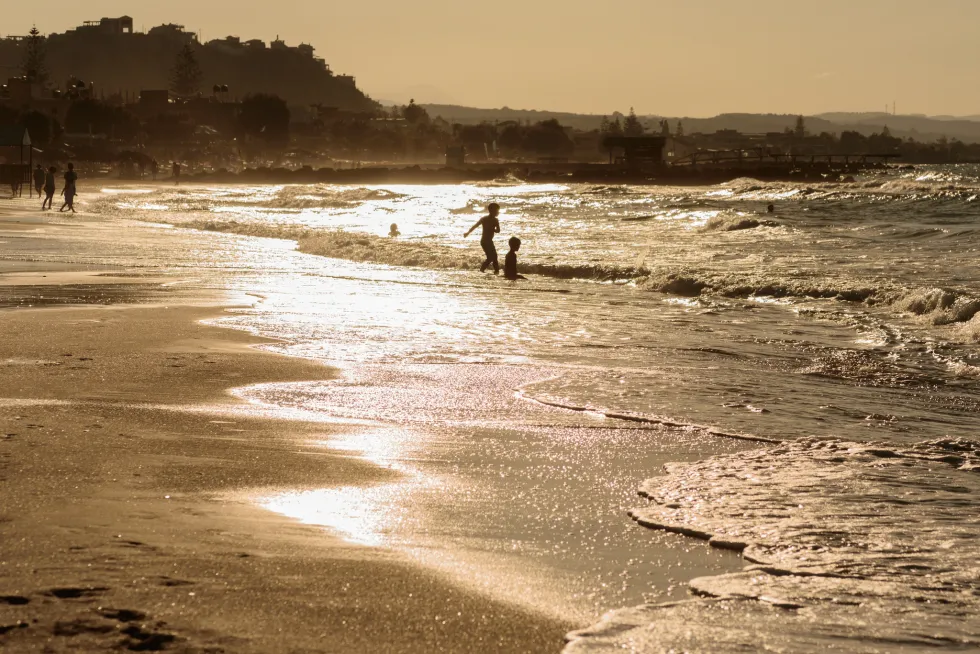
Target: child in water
[(510, 261), (49, 188), (393, 232), (71, 178), (491, 226)]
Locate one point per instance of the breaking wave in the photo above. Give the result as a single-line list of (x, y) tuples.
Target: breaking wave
[(935, 306), (723, 223), (368, 248)]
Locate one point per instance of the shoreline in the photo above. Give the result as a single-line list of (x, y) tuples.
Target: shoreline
[(112, 535)]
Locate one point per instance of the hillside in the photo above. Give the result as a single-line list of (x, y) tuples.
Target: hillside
[(920, 128), (128, 63)]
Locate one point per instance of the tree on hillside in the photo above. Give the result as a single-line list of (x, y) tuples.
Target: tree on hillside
[(632, 125), (664, 128), (475, 137), (414, 114), (35, 64), (186, 75), (511, 136), (265, 116), (548, 138), (611, 127), (800, 130), (680, 129), (853, 142)]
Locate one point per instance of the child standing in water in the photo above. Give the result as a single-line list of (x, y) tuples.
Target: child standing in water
[(491, 226), (71, 178), (49, 188), (510, 261)]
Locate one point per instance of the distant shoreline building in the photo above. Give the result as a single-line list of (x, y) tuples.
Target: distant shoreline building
[(116, 60)]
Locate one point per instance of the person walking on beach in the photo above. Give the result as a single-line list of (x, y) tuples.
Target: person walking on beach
[(69, 191), (176, 173), (510, 261), (38, 179), (49, 188), (154, 166), (491, 226)]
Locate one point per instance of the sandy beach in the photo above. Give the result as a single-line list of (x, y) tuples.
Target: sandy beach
[(118, 443)]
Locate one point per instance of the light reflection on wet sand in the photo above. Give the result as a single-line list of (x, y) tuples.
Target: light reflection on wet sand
[(530, 501)]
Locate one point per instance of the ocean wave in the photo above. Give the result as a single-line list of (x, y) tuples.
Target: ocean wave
[(878, 189), (303, 197), (938, 306), (840, 537), (693, 283), (368, 248), (639, 418), (727, 223), (935, 306)]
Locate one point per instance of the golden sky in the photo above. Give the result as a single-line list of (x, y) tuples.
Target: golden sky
[(666, 57)]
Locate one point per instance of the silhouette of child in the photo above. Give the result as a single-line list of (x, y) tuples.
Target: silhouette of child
[(393, 232), (510, 261), (70, 191), (491, 226), (49, 188)]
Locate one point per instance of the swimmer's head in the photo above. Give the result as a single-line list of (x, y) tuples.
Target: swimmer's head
[(494, 208), (770, 208), (515, 243)]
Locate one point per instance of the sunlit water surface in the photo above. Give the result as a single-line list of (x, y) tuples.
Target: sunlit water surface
[(658, 323)]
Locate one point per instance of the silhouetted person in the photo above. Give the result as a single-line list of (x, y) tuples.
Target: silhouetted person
[(49, 187), (154, 167), (176, 173), (771, 209), (491, 226), (393, 232), (71, 177), (38, 179), (510, 261)]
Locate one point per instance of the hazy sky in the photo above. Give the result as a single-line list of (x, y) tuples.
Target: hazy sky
[(669, 57)]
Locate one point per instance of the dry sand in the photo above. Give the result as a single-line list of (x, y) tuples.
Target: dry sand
[(113, 530)]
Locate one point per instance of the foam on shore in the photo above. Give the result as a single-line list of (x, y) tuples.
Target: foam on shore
[(842, 536)]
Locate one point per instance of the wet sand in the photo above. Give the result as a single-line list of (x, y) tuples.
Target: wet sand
[(133, 475), (118, 440)]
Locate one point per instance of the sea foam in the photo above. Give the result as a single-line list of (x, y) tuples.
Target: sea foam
[(841, 537)]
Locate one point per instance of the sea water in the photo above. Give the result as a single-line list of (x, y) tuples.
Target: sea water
[(810, 377)]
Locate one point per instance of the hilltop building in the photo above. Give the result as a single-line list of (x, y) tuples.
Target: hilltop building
[(116, 60)]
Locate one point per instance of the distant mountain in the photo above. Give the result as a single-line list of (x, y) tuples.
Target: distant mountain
[(472, 115), (920, 128)]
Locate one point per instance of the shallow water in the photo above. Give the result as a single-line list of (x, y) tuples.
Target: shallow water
[(658, 323)]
